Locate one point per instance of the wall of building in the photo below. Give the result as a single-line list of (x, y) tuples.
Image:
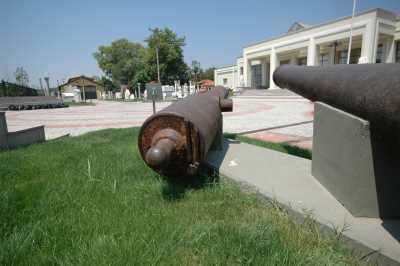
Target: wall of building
[(226, 77), (397, 31), (374, 35)]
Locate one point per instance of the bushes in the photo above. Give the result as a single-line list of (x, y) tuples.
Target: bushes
[(12, 89)]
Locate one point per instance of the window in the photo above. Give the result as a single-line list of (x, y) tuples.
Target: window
[(285, 62), (241, 70), (342, 57), (225, 81), (398, 52), (302, 61), (354, 56), (324, 60), (379, 54)]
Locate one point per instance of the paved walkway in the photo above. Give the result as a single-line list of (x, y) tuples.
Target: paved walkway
[(287, 179), (78, 120), (285, 119), (274, 116), (266, 93)]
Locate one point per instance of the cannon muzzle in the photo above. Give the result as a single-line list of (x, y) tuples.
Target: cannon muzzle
[(369, 91), (175, 140), (164, 142)]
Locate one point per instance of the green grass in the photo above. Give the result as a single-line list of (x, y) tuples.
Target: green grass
[(90, 200), (285, 148)]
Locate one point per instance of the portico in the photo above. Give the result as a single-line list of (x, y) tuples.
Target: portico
[(375, 39)]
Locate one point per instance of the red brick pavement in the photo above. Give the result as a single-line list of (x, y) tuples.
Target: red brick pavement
[(298, 141)]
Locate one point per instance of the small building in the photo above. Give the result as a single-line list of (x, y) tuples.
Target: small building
[(226, 76), (375, 39), (88, 87), (206, 84)]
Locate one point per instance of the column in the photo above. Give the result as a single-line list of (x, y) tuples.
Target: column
[(264, 72), (293, 60), (234, 77), (390, 50), (332, 55), (273, 64), (369, 42), (246, 72), (317, 55), (311, 53)]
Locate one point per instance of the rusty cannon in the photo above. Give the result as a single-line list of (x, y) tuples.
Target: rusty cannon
[(175, 140), (369, 91)]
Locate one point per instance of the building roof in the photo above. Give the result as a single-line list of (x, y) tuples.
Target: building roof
[(222, 67), (206, 82), (296, 26), (82, 77), (316, 26)]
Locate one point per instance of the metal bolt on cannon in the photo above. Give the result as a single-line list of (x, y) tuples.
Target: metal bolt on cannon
[(175, 140)]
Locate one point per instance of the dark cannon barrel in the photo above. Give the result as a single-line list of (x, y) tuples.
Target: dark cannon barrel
[(175, 140), (369, 91)]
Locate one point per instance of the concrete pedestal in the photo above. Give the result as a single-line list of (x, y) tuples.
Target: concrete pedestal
[(360, 171), (9, 140), (3, 130)]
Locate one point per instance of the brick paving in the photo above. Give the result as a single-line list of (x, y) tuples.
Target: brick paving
[(275, 114), (250, 113), (82, 119)]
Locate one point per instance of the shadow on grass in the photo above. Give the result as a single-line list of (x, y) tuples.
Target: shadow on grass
[(175, 188), (285, 148)]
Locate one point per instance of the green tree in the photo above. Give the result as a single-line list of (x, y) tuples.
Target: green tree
[(108, 84), (170, 54), (21, 76), (3, 88), (207, 74), (121, 61)]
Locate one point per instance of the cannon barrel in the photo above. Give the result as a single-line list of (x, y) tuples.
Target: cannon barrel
[(175, 140), (369, 91)]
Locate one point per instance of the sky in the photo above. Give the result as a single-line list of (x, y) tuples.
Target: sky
[(58, 38)]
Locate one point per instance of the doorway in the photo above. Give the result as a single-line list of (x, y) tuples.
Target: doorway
[(256, 76)]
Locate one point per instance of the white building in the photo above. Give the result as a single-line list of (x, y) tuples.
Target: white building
[(376, 39)]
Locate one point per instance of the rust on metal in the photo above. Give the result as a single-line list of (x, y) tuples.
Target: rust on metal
[(175, 140), (369, 91)]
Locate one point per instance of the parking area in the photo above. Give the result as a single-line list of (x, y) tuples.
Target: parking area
[(274, 118)]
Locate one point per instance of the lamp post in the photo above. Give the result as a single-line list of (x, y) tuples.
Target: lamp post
[(47, 80), (158, 64), (157, 48)]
